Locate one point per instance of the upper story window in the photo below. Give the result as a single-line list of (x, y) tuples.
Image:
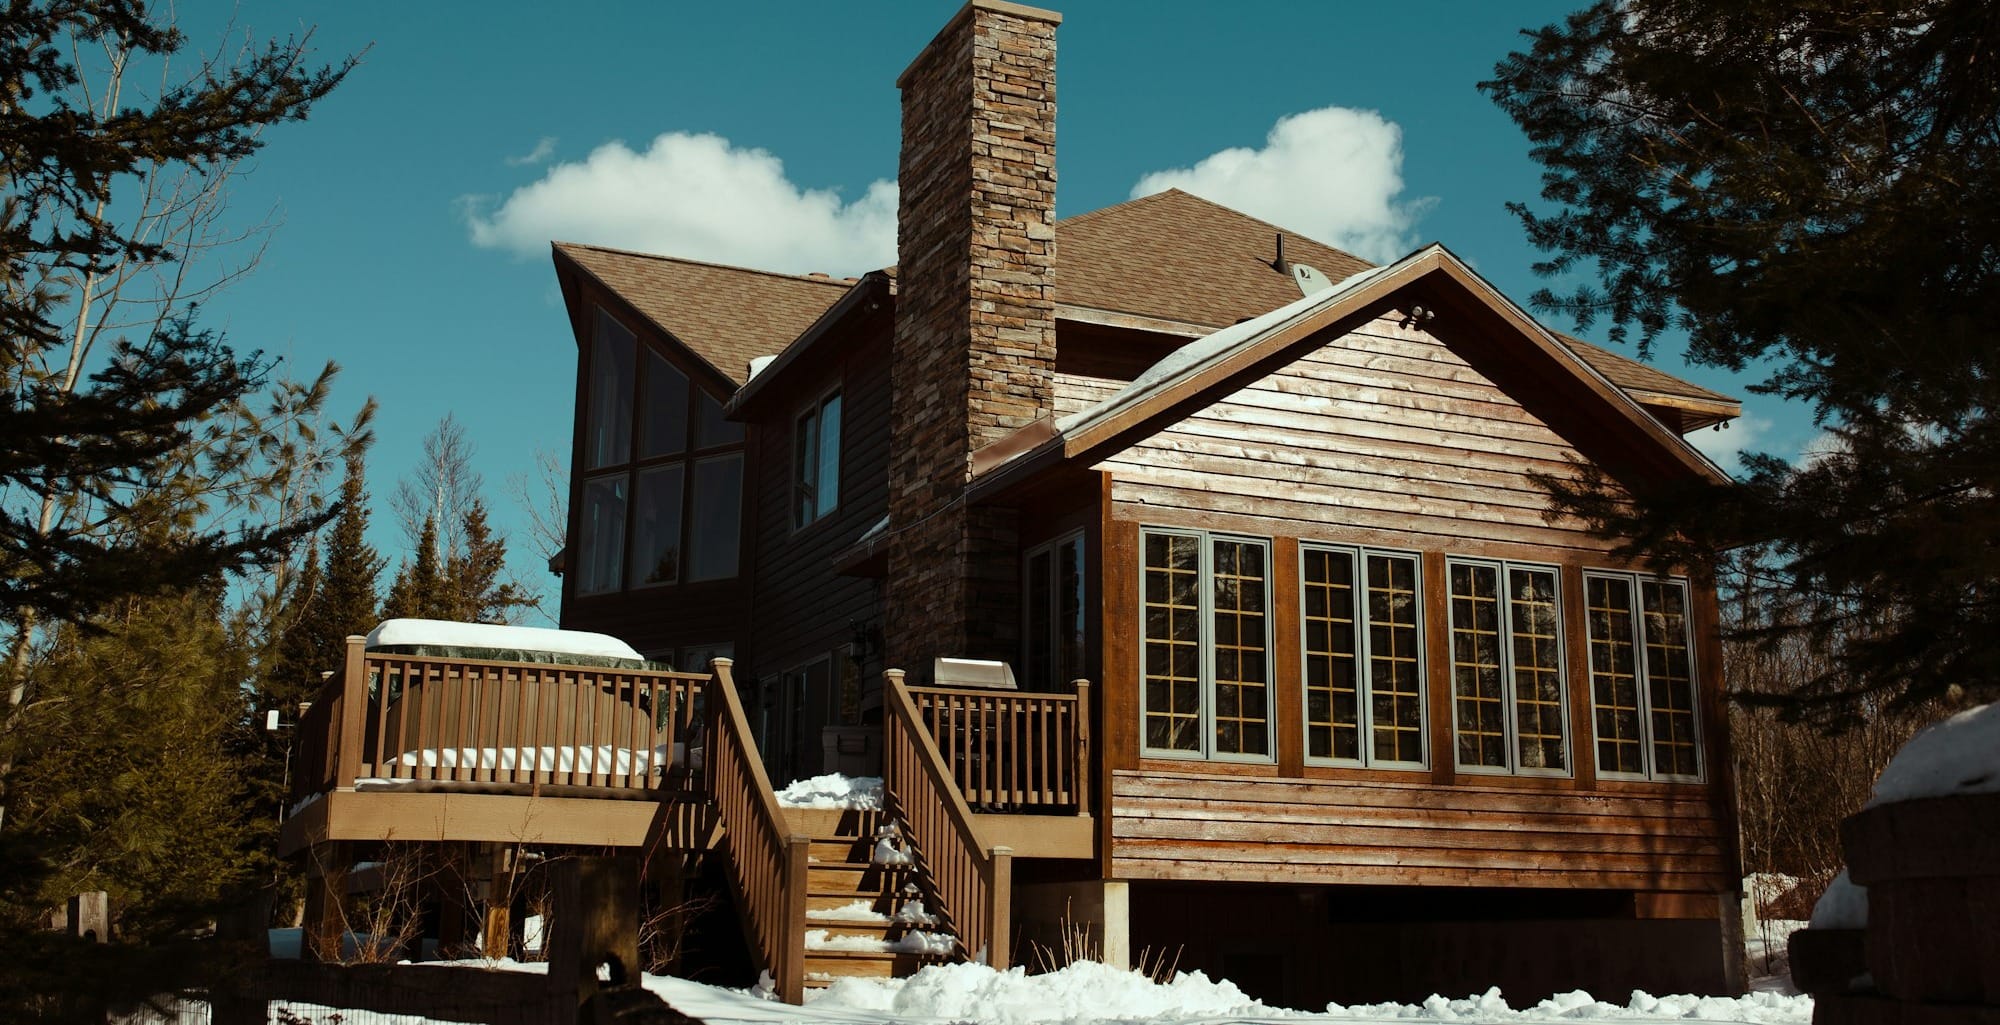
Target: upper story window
[(1364, 691), (1054, 604), (1506, 667), (662, 495), (1205, 655), (1642, 677), (816, 461)]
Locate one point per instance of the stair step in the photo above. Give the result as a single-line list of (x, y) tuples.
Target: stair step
[(885, 903), (865, 964), (890, 930), (854, 878)]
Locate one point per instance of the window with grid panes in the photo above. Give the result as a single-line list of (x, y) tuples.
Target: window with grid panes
[(1506, 663), (1642, 676), (1205, 649), (1361, 617), (663, 487)]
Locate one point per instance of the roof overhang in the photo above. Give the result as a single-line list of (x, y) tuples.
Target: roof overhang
[(873, 288), (569, 269), (1202, 371)]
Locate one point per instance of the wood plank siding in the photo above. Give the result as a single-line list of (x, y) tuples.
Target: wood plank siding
[(1382, 431), (1177, 825)]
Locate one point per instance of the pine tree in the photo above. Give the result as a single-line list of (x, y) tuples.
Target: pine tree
[(1810, 187), (418, 590), (474, 591)]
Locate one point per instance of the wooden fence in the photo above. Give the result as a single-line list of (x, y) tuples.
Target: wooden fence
[(421, 719), (767, 861), (969, 883), (1012, 751)]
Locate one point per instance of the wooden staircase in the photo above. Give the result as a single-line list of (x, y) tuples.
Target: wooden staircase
[(864, 917)]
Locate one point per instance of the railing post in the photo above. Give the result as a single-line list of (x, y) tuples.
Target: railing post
[(1083, 785), (792, 982), (1000, 902), (353, 712)]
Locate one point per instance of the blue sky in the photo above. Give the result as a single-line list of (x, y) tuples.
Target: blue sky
[(418, 200)]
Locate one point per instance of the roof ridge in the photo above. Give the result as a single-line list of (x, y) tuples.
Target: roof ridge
[(840, 282), (1088, 214), (1204, 200)]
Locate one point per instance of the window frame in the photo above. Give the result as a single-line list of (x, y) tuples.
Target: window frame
[(1053, 596), (629, 469), (1643, 678), (1205, 641), (816, 409), (1363, 645), (1510, 700)]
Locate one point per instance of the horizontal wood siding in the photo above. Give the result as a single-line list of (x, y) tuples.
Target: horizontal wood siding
[(1168, 825), (1383, 429), (804, 608)]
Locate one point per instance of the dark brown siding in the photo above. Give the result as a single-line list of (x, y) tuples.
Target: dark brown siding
[(804, 607)]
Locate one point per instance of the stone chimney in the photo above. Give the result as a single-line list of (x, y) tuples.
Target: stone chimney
[(975, 335)]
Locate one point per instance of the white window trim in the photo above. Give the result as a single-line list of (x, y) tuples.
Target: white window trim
[(1363, 673), (1206, 648), (1645, 681), (1511, 726)]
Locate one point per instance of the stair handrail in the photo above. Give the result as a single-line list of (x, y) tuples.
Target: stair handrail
[(767, 860), (970, 881)]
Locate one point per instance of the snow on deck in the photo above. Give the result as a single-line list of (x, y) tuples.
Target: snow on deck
[(442, 634), (833, 790), (1959, 755)]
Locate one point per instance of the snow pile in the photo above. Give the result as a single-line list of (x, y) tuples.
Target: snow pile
[(603, 758), (914, 913), (1960, 755), (1490, 1006), (397, 633), (833, 790), (931, 943), (858, 911), (1844, 905), (1083, 992)]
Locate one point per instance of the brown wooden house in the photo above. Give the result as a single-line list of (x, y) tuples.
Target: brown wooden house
[(1358, 717)]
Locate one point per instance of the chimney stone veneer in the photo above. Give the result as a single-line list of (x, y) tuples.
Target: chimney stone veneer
[(975, 334)]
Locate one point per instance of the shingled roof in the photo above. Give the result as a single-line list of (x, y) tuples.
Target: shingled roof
[(725, 315), (1169, 256)]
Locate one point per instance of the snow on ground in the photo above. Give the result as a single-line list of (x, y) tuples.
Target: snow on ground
[(1768, 955), (1092, 994), (1960, 755), (833, 790)]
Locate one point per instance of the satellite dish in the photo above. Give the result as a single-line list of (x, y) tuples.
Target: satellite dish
[(1309, 279)]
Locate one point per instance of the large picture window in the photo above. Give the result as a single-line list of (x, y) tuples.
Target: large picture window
[(1206, 648), (1642, 677), (816, 461), (1362, 621), (1053, 602), (662, 497), (1506, 667)]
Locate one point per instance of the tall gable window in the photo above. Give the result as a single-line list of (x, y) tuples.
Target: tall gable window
[(1205, 656), (1362, 620), (1642, 677), (1506, 667), (816, 461), (663, 497)]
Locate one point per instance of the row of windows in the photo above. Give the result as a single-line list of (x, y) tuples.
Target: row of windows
[(1208, 683)]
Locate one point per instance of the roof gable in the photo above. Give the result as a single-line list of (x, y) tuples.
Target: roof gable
[(1202, 371), (724, 315)]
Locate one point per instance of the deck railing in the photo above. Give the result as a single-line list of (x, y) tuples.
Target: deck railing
[(1013, 751), (423, 719), (767, 861), (970, 883)]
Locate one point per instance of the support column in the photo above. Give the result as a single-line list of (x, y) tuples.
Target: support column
[(327, 866), (1092, 916)]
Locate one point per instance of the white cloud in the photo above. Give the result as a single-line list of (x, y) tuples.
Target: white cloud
[(544, 149), (1334, 174), (695, 196), (1724, 446)]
